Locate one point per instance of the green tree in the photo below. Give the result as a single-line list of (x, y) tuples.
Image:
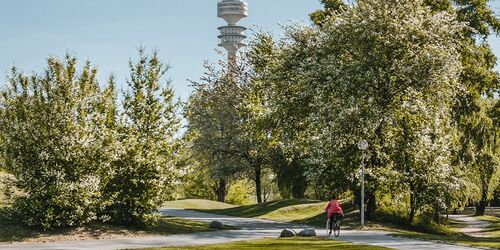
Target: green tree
[(226, 117), (56, 142), (422, 133), (480, 150), (350, 78), (142, 175), (331, 7), (195, 181), (471, 110), (478, 77), (214, 122), (286, 162)]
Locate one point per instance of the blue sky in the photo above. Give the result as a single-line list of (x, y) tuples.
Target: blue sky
[(108, 32)]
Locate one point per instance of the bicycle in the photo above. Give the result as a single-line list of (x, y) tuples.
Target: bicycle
[(335, 227)]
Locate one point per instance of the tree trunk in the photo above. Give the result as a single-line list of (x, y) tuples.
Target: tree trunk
[(481, 206), (258, 186), (221, 191), (412, 205), (299, 187), (447, 215), (371, 205), (298, 182), (436, 218)]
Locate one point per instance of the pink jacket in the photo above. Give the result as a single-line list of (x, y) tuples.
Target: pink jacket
[(333, 208)]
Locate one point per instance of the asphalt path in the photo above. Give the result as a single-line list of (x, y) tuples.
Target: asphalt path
[(250, 229)]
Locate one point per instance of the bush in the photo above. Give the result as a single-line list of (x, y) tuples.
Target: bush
[(52, 127), (146, 166), (239, 193), (197, 185), (73, 160)]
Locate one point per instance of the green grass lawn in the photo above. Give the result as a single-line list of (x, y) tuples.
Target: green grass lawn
[(197, 204), (454, 238), (310, 212), (284, 244), (451, 234), (262, 209), (11, 231), (493, 230)]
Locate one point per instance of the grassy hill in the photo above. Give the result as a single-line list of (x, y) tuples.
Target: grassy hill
[(303, 211), (263, 209), (197, 204), (494, 229)]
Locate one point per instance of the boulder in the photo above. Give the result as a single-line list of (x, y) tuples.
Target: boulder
[(216, 225), (309, 232), (287, 233)]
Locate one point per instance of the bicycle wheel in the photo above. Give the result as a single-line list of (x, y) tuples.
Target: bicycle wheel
[(328, 232), (336, 229)]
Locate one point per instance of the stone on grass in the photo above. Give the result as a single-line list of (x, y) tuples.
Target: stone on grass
[(216, 225), (309, 232), (287, 233)]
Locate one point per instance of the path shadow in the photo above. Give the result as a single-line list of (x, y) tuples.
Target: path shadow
[(259, 209)]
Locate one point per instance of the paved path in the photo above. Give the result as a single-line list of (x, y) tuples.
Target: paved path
[(475, 227), (250, 229)]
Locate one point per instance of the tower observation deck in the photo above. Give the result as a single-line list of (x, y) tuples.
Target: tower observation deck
[(231, 36)]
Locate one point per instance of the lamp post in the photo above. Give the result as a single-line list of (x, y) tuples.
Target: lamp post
[(362, 145)]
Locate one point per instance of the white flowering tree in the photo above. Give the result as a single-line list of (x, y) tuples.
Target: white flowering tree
[(366, 72), (478, 76), (56, 142)]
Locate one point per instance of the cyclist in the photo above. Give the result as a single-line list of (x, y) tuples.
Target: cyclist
[(334, 211)]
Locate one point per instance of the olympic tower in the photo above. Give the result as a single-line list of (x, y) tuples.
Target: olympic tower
[(231, 36)]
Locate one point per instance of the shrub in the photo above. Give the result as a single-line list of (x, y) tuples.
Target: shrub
[(52, 129), (239, 193), (73, 159), (146, 165)]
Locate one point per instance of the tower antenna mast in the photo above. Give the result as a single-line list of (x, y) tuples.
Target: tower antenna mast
[(231, 35)]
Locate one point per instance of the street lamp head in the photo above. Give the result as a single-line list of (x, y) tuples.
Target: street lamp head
[(363, 145)]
